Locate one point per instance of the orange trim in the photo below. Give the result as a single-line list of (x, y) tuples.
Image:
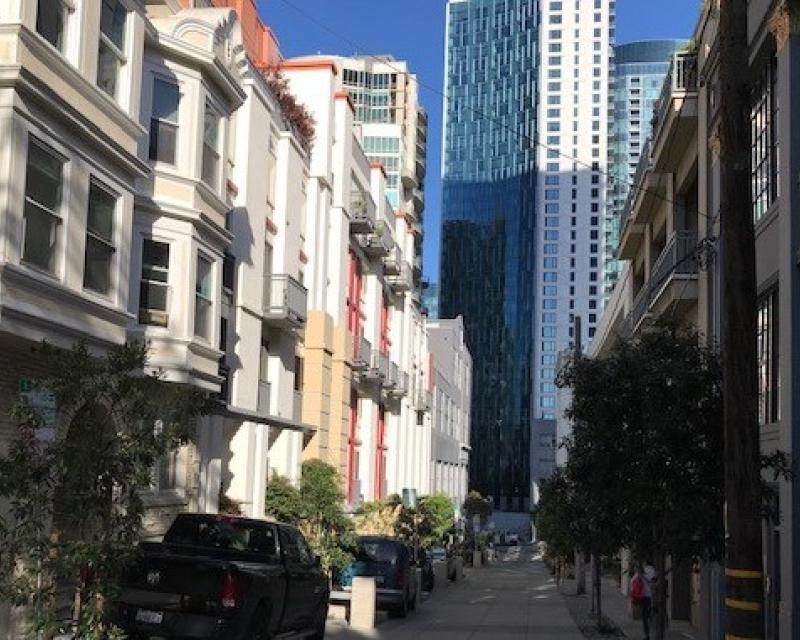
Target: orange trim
[(271, 227), (345, 95), (310, 65), (378, 165), (303, 257)]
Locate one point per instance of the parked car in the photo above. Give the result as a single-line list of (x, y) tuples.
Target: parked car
[(220, 577), (390, 561)]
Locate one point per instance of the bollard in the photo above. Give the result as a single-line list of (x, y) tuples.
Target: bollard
[(363, 603), (440, 577), (477, 559)]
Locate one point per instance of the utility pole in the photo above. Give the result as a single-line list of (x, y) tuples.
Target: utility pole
[(580, 558), (744, 599)]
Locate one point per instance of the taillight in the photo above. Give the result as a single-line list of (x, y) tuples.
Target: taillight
[(231, 592)]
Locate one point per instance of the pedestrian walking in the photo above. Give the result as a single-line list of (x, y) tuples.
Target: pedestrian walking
[(641, 594)]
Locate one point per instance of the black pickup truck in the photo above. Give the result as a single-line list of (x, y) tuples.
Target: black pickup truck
[(220, 577)]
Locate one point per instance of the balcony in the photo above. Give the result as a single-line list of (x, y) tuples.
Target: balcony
[(362, 356), (673, 279), (264, 393), (362, 212), (379, 243), (379, 367), (634, 319), (285, 302), (421, 167), (422, 399), (396, 385), (675, 116), (409, 178), (403, 280), (393, 262), (418, 198)]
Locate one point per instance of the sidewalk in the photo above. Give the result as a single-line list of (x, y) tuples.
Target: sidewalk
[(615, 608)]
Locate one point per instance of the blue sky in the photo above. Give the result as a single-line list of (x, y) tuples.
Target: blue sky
[(413, 30)]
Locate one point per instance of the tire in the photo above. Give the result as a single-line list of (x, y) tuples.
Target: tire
[(400, 610), (320, 621), (259, 625)]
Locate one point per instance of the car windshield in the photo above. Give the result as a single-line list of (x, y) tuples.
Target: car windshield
[(378, 551), (223, 533)]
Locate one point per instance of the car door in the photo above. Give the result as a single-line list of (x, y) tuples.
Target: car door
[(301, 598)]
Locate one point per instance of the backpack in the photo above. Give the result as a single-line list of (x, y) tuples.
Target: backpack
[(637, 588)]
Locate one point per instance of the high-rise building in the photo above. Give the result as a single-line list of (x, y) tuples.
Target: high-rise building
[(525, 148), (639, 70), (430, 300)]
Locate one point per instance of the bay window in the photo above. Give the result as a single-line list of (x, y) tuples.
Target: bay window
[(204, 298), (51, 21), (211, 154), (164, 121), (154, 287)]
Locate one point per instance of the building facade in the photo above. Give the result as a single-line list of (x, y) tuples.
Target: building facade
[(638, 75), (451, 377), (525, 148), (670, 242), (366, 374)]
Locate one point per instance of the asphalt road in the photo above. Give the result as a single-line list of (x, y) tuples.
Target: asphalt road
[(512, 598)]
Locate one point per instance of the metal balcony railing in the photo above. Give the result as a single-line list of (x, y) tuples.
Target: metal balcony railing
[(641, 304), (362, 212), (681, 79), (418, 197), (362, 356), (285, 301), (677, 258), (403, 279), (637, 184), (264, 393)]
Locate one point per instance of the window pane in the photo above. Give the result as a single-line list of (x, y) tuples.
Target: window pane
[(163, 141), (153, 290), (204, 284), (43, 177), (40, 237), (50, 18), (112, 22), (166, 99), (97, 270), (211, 127), (210, 165), (100, 220), (108, 65)]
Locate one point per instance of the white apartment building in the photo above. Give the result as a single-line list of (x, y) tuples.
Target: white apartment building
[(451, 378), (365, 347), (576, 40)]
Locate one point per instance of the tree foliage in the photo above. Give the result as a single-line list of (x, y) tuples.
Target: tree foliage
[(428, 522), (644, 466), (317, 507), (476, 505), (76, 505)]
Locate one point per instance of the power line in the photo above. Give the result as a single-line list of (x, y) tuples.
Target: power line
[(522, 136)]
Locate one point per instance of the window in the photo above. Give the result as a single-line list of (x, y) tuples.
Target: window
[(164, 121), (100, 247), (211, 122), (203, 298), (768, 345), (111, 56), (763, 138), (43, 191), (51, 19), (154, 288)]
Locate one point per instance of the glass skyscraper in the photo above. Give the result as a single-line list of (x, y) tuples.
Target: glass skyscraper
[(523, 187), (639, 71)]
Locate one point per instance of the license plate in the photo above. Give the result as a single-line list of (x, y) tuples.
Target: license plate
[(149, 617)]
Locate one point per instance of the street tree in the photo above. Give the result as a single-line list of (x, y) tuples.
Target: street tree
[(476, 505), (645, 452), (75, 496)]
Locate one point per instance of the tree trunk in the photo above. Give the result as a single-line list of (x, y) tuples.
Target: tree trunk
[(580, 572), (744, 578), (598, 589), (592, 562), (660, 597)]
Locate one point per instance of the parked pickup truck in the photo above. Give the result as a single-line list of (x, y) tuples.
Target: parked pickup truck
[(221, 577)]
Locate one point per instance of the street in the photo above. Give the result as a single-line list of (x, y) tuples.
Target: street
[(514, 597)]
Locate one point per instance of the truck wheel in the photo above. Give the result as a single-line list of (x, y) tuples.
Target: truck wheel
[(259, 626), (400, 610)]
